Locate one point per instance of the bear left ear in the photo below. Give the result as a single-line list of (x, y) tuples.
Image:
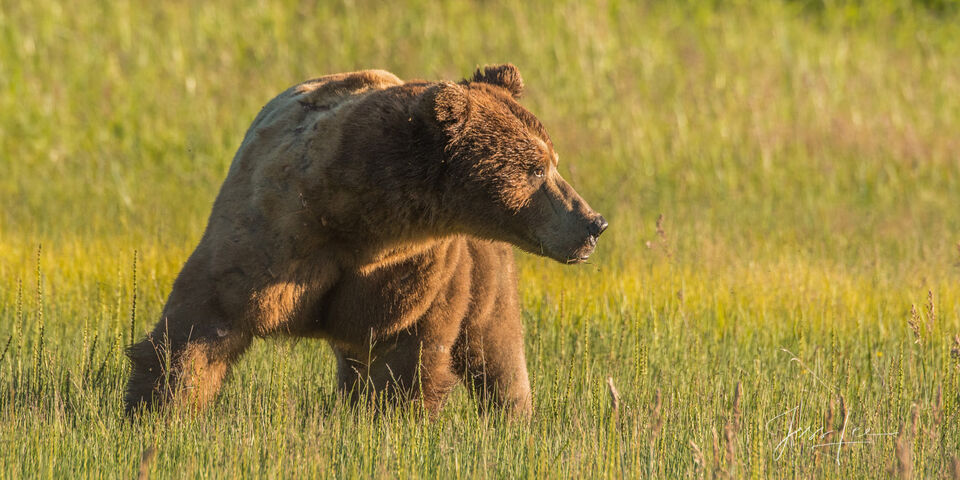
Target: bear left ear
[(447, 104), (505, 75)]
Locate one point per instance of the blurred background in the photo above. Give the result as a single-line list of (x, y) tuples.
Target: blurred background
[(758, 129)]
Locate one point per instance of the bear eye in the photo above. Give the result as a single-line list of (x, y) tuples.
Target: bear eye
[(538, 172)]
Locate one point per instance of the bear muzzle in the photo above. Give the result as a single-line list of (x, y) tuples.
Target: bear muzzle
[(595, 227)]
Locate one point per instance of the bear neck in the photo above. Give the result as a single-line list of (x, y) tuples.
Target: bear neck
[(391, 190)]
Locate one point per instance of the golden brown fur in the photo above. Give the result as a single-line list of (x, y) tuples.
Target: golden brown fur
[(372, 213)]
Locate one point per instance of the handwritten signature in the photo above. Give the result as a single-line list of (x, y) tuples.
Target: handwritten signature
[(791, 425)]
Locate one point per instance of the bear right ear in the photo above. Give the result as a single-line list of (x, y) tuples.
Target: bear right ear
[(447, 104), (504, 75)]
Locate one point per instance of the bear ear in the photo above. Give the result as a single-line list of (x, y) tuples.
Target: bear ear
[(447, 104), (505, 75)]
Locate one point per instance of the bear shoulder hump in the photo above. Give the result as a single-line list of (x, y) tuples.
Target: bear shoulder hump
[(331, 89)]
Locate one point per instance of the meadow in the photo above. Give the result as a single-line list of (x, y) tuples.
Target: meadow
[(778, 294)]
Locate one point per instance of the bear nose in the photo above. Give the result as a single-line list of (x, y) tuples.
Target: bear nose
[(597, 226)]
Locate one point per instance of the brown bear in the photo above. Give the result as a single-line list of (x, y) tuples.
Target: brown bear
[(378, 215)]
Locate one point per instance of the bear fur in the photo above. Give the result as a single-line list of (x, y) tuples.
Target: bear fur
[(378, 215)]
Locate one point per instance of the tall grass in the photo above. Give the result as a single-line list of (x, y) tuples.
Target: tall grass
[(799, 286)]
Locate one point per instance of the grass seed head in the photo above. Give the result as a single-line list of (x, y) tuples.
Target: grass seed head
[(955, 351), (614, 395), (656, 417), (938, 407), (737, 396), (730, 442), (828, 423), (698, 463), (914, 323), (716, 453)]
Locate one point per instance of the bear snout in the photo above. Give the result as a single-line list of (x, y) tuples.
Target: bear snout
[(587, 244), (596, 227)]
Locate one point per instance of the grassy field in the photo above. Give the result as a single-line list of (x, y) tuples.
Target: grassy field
[(803, 280)]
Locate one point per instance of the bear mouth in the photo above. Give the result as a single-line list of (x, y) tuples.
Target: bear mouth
[(582, 254), (576, 255), (579, 254)]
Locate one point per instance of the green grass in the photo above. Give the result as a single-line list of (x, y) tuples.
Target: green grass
[(805, 157)]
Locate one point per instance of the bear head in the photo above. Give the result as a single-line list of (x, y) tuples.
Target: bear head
[(504, 183)]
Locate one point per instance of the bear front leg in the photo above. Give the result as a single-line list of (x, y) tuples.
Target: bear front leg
[(489, 356), (184, 360)]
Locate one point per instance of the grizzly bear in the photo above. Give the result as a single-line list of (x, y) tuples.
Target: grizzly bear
[(378, 215)]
